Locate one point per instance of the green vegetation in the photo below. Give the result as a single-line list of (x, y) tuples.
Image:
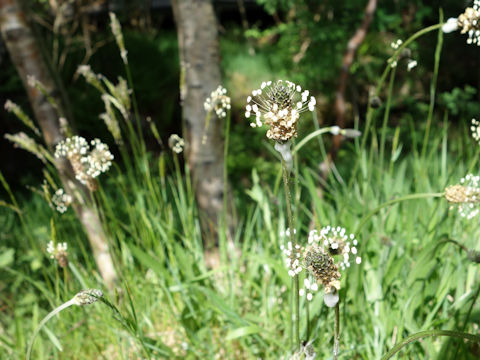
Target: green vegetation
[(417, 278)]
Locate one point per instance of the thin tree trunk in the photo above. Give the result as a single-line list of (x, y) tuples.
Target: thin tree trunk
[(352, 47), (26, 56), (200, 62)]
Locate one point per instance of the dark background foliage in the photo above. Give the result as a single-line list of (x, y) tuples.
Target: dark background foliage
[(303, 41)]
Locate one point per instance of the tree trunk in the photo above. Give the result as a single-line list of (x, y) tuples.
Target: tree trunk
[(26, 56), (200, 63)]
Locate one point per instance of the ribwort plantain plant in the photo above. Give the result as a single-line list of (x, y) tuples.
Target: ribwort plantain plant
[(279, 105)]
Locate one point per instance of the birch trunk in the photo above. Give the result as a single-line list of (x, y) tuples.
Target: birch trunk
[(26, 56), (200, 63)]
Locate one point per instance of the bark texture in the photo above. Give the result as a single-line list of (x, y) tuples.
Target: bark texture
[(26, 56), (348, 58), (200, 63)]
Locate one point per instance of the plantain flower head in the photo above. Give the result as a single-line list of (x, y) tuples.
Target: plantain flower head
[(465, 196), (87, 297), (278, 105), (468, 23), (176, 143), (61, 200), (58, 252), (88, 162), (320, 258), (218, 102)]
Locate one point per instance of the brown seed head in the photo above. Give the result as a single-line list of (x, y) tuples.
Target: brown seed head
[(322, 267), (469, 23), (462, 194), (469, 20)]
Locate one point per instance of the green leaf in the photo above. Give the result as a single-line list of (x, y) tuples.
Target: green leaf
[(6, 257), (243, 331), (53, 338)]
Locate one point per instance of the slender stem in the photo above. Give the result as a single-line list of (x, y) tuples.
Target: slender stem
[(43, 322), (225, 213), (429, 333), (336, 339), (444, 241), (225, 168), (135, 107), (290, 328), (309, 137), (386, 116), (307, 315), (288, 199), (296, 283), (433, 87), (297, 310), (65, 279), (394, 201)]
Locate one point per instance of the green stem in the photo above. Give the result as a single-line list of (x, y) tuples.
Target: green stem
[(336, 339), (288, 199), (433, 86), (297, 310), (225, 168), (290, 328), (309, 137), (386, 116), (44, 321), (307, 315), (135, 108), (225, 213), (444, 241), (394, 201), (429, 333)]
